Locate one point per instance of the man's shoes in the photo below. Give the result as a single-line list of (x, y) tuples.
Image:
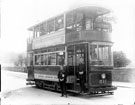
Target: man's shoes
[(66, 96), (62, 95), (81, 92)]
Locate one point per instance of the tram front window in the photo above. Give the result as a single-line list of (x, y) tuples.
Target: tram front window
[(100, 55)]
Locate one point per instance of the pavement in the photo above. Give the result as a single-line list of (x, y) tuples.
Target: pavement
[(124, 84), (115, 83)]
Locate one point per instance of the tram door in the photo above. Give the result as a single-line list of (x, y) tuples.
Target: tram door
[(76, 54)]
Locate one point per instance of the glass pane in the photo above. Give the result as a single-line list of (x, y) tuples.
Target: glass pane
[(45, 59), (59, 22), (60, 48), (43, 29), (79, 58), (60, 59), (80, 51), (49, 59), (52, 59), (36, 31), (69, 22), (103, 52), (74, 21), (79, 17), (70, 60), (103, 22), (93, 52), (71, 56), (101, 55), (89, 24), (50, 25), (69, 19), (37, 59), (41, 59)]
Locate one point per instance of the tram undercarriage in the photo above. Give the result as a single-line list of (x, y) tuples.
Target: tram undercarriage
[(88, 91)]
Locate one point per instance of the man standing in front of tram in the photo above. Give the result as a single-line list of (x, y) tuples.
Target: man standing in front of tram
[(62, 80), (81, 74)]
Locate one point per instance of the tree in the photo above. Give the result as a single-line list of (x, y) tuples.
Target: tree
[(16, 63), (120, 59), (21, 60)]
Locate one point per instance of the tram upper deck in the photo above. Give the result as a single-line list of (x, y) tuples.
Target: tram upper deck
[(80, 24)]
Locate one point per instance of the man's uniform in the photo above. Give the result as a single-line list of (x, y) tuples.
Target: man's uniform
[(62, 81), (81, 77)]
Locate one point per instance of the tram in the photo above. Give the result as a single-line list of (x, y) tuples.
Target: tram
[(81, 33)]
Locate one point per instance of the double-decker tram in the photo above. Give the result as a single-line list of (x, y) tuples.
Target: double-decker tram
[(82, 34)]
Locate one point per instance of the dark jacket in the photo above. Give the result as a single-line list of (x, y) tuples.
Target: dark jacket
[(81, 71), (62, 76)]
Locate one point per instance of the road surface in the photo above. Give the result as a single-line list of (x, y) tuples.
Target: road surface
[(16, 92)]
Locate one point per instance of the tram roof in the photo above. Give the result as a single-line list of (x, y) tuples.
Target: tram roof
[(94, 10)]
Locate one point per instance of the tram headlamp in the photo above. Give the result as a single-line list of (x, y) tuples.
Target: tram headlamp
[(103, 76)]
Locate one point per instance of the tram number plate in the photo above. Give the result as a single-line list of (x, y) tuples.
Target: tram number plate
[(102, 81)]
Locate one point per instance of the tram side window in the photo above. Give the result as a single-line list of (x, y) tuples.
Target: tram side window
[(74, 21), (59, 22), (70, 21), (50, 26), (43, 29), (79, 21), (41, 59), (89, 24), (70, 60), (49, 59), (60, 59), (80, 51), (104, 55), (52, 59), (37, 59), (45, 59), (103, 52), (94, 52), (71, 56), (29, 41), (100, 55), (102, 24), (36, 31)]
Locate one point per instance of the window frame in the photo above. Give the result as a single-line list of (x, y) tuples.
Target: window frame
[(105, 62), (72, 22), (59, 25), (49, 60), (50, 24)]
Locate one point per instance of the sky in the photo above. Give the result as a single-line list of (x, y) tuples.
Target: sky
[(18, 15)]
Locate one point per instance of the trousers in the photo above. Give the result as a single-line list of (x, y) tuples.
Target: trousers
[(82, 85), (63, 88)]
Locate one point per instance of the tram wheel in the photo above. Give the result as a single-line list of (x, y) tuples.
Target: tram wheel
[(37, 84)]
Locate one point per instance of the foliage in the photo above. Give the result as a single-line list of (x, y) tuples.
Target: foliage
[(21, 60), (120, 59)]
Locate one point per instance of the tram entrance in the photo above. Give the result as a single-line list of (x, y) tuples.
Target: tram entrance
[(76, 56)]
